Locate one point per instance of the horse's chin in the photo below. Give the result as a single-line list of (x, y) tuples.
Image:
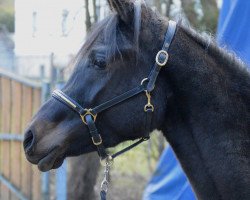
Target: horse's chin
[(51, 161)]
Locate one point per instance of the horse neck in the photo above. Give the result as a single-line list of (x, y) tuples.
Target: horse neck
[(208, 117)]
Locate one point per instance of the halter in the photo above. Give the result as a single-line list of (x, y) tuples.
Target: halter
[(89, 115)]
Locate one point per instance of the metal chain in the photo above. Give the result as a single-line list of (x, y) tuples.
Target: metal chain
[(106, 179), (105, 183)]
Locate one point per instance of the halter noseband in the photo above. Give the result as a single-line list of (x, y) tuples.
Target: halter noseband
[(89, 115)]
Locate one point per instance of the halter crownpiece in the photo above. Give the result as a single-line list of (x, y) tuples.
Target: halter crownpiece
[(89, 115)]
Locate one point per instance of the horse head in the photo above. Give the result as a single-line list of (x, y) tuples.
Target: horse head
[(117, 55)]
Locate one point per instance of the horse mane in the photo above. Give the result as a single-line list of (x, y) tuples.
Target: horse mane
[(210, 44), (231, 67)]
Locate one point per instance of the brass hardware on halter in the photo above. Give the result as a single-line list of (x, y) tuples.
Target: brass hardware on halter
[(157, 58), (88, 112), (148, 106)]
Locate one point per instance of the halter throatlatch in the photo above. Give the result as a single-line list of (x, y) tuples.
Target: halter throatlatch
[(89, 116)]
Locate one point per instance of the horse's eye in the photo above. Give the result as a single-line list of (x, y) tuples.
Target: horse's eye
[(99, 64)]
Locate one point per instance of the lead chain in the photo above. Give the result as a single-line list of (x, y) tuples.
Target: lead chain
[(106, 179), (105, 183)]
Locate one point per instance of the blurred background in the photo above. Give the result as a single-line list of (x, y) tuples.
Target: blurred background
[(38, 40)]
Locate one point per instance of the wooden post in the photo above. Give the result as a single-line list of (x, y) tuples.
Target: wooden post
[(45, 92), (5, 128), (26, 117), (16, 146), (36, 174), (19, 99)]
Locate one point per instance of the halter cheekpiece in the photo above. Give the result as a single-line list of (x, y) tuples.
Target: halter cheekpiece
[(89, 115)]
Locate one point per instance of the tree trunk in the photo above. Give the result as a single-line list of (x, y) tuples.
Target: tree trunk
[(168, 3), (161, 141), (95, 11), (211, 13), (207, 22), (157, 4), (189, 10), (87, 15), (83, 173)]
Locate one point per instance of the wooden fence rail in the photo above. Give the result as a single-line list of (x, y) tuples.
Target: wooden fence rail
[(19, 99)]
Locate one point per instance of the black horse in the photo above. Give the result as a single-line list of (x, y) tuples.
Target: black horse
[(201, 101)]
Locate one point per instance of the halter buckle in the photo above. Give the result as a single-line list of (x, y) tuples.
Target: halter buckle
[(160, 62), (88, 112)]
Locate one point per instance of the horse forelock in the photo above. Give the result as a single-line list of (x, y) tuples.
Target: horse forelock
[(111, 35)]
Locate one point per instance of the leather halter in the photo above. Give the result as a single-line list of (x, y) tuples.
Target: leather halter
[(89, 115)]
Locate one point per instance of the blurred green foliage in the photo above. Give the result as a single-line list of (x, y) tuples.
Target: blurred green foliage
[(7, 19), (7, 15), (141, 160), (201, 14), (207, 19)]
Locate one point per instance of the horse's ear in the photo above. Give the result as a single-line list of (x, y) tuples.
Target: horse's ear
[(124, 8)]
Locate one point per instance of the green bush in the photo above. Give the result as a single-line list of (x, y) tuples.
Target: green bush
[(7, 19)]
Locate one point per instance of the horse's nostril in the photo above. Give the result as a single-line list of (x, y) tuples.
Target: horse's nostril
[(28, 142)]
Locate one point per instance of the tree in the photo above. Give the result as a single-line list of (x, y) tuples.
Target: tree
[(211, 14), (208, 20), (7, 15), (87, 16), (83, 173), (201, 14), (90, 20)]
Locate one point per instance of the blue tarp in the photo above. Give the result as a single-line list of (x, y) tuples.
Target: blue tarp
[(234, 28), (169, 181)]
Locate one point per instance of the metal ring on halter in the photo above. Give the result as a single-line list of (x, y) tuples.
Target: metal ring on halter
[(144, 80), (157, 58), (88, 112)]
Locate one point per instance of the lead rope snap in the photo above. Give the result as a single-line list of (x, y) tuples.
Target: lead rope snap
[(105, 183), (148, 106)]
